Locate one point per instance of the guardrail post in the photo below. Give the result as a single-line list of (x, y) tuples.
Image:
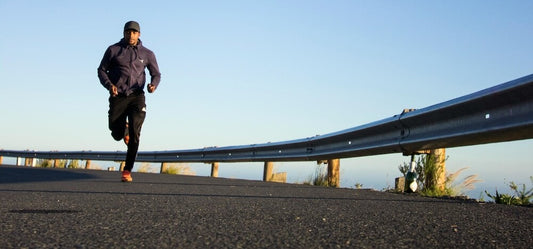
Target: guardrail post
[(122, 165), (399, 184), (267, 173), (333, 173), (56, 163), (279, 177), (88, 164), (440, 164), (163, 169), (19, 161), (214, 169), (1, 159)]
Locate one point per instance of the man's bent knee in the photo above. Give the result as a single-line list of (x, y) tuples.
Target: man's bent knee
[(117, 135)]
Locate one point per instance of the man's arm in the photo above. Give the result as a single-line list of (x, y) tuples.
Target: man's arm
[(155, 75), (103, 69)]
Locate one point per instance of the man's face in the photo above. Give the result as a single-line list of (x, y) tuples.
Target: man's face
[(132, 36)]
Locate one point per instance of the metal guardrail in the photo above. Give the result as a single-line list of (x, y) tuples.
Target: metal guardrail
[(500, 113)]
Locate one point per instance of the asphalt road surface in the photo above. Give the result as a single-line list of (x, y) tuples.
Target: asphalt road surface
[(66, 208)]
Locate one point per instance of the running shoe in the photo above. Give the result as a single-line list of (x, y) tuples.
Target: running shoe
[(126, 176)]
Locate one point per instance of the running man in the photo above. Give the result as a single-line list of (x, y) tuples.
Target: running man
[(122, 73)]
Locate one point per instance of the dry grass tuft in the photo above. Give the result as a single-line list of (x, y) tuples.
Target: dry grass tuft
[(179, 169)]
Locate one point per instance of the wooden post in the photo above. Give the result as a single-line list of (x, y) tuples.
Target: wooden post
[(163, 169), (214, 169), (399, 185), (333, 173), (88, 164), (1, 159), (56, 163), (122, 165), (267, 172), (29, 162), (440, 164), (19, 161), (279, 177)]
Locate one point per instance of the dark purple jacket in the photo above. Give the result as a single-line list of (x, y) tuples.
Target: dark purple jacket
[(123, 66)]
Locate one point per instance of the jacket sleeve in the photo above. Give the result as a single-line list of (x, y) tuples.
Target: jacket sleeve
[(104, 68), (153, 68)]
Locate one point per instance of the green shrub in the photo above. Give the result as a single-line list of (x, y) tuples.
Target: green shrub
[(74, 164), (45, 163), (522, 197), (503, 198), (522, 194)]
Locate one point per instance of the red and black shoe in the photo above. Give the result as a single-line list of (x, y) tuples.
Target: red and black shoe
[(126, 176)]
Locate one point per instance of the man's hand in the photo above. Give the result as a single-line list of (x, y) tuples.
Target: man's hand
[(113, 90), (151, 88)]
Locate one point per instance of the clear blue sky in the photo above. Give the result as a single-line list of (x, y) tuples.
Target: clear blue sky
[(245, 72)]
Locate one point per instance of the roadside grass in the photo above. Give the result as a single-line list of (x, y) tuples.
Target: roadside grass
[(521, 196), (45, 163), (319, 178), (451, 186), (63, 163), (146, 168), (178, 169)]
